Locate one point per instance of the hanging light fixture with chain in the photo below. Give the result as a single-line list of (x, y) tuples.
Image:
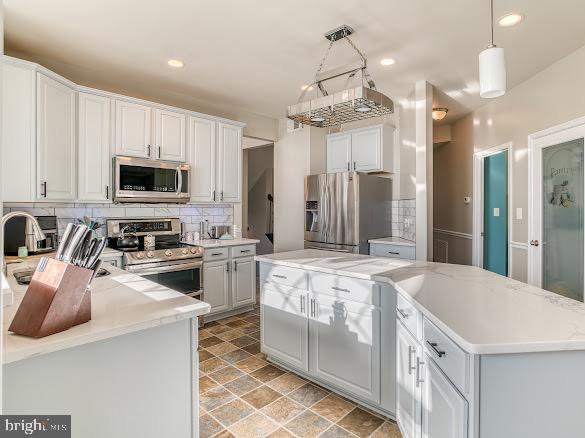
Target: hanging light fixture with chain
[(492, 66)]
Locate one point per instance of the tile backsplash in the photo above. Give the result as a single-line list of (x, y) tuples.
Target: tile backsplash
[(404, 219), (190, 214)]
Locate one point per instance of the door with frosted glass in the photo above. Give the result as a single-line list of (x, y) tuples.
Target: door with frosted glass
[(556, 252)]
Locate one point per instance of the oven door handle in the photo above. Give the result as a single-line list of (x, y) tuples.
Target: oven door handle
[(141, 270)]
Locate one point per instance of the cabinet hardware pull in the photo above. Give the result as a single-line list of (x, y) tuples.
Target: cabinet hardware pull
[(221, 194), (534, 242), (393, 252), (354, 165), (312, 307), (149, 151), (340, 289), (235, 266), (244, 250), (419, 378), (279, 276), (107, 192), (348, 168), (216, 253), (227, 267), (214, 196), (44, 190), (411, 353), (433, 346), (159, 151), (401, 313), (302, 303)]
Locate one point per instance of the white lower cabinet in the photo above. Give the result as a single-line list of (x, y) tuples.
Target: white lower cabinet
[(243, 282), (408, 390), (216, 285), (284, 324), (344, 342)]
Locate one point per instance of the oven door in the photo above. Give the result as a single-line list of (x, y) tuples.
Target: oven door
[(142, 180), (181, 277)]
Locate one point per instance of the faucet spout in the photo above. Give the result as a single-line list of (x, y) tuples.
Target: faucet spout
[(32, 224)]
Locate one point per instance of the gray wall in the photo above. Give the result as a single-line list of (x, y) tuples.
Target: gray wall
[(260, 184)]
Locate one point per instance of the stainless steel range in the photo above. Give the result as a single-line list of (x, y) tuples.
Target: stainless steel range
[(169, 262)]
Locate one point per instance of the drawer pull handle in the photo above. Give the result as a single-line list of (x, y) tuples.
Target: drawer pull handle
[(302, 297), (411, 353), (244, 250), (216, 254), (393, 252), (340, 289), (279, 276), (419, 379), (433, 346), (401, 313)]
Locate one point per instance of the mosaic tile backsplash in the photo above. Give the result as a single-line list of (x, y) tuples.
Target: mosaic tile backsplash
[(190, 214), (404, 219)]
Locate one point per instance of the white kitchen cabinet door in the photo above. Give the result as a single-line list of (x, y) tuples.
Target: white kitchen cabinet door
[(408, 392), (366, 150), (284, 324), (170, 135), (216, 285), (133, 129), (56, 165), (202, 158), (19, 141), (444, 410), (243, 282), (344, 342), (338, 153), (93, 147), (229, 163)]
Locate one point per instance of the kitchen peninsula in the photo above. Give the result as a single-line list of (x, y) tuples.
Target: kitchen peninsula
[(463, 352), (130, 371)]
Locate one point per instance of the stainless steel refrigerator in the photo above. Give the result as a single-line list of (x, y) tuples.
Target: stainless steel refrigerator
[(344, 210)]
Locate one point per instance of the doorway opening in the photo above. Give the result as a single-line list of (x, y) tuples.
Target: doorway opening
[(492, 176)]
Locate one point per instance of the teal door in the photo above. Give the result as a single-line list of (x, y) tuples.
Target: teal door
[(495, 213)]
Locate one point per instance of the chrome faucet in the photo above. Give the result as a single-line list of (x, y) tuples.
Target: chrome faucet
[(32, 230)]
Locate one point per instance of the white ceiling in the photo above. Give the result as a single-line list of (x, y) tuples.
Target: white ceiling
[(256, 54)]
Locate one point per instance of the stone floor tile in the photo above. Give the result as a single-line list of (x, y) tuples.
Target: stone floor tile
[(360, 422), (261, 396), (308, 425), (308, 394)]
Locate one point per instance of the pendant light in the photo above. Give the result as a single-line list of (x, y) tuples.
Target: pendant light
[(492, 66)]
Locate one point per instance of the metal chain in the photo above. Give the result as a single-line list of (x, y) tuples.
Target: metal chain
[(350, 42), (324, 58)]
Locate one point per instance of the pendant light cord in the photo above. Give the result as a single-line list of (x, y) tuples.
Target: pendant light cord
[(492, 21)]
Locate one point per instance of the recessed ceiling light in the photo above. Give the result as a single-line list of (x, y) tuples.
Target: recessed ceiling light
[(387, 61), (510, 20), (175, 63)]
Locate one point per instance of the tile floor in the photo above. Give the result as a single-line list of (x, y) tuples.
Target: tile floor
[(242, 395)]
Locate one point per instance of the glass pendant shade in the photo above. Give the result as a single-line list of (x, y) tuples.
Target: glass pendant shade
[(492, 72)]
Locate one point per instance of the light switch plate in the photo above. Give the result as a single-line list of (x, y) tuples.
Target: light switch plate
[(519, 213), (496, 212)]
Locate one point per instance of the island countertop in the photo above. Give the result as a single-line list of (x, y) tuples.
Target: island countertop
[(121, 303), (221, 243), (485, 313)]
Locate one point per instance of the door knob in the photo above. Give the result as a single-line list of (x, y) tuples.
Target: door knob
[(534, 242)]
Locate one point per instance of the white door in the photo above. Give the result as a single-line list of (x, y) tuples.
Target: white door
[(202, 157), (243, 282), (216, 285), (338, 153), (444, 410), (230, 163), (285, 327), (344, 342), (366, 150), (93, 147), (133, 129), (56, 167), (556, 251), (170, 135), (408, 392)]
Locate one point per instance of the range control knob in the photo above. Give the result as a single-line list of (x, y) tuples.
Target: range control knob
[(149, 254), (140, 255), (184, 251), (168, 253), (193, 250)]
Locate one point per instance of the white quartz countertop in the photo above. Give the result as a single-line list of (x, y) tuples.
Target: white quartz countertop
[(483, 312), (219, 243), (393, 241), (121, 303)]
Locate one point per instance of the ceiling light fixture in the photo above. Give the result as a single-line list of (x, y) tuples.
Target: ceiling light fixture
[(510, 20), (439, 113), (307, 87), (387, 61), (492, 66), (175, 63)]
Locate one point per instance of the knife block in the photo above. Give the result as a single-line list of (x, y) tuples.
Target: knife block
[(57, 298)]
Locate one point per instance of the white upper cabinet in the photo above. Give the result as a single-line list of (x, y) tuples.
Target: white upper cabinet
[(230, 163), (56, 145), (202, 157), (93, 147), (133, 129), (170, 135), (18, 132), (338, 152), (368, 149)]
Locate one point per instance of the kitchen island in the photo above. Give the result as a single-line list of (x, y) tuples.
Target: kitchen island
[(464, 352), (130, 371)]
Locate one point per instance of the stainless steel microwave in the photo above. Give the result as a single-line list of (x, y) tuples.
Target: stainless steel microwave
[(151, 181)]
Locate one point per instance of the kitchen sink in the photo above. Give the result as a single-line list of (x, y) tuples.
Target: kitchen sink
[(24, 277)]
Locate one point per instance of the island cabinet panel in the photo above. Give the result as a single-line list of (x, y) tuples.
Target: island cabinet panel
[(216, 285), (285, 324), (344, 340), (408, 387)]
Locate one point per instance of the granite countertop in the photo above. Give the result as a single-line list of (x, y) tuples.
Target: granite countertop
[(121, 303), (485, 313), (393, 241), (219, 243)]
